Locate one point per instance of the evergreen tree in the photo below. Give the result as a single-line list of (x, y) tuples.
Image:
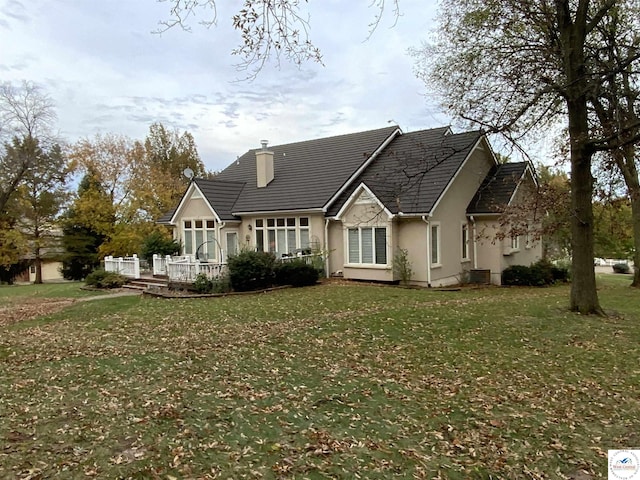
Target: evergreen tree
[(86, 225)]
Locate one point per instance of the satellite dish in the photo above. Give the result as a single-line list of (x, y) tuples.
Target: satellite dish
[(188, 173)]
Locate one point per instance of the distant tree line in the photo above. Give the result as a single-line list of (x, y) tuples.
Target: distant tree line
[(123, 187)]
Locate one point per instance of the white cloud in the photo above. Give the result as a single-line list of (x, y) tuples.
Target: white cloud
[(107, 72)]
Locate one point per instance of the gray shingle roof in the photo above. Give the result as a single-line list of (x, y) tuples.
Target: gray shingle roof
[(306, 174), (414, 170), (497, 188), (165, 219), (222, 195)]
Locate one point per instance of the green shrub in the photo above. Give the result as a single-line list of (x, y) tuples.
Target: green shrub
[(102, 279), (402, 266), (538, 274), (296, 273), (541, 273), (621, 268), (160, 244), (222, 284), (251, 270), (516, 275), (560, 273), (203, 284)]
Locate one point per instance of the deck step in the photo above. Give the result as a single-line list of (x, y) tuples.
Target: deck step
[(145, 283)]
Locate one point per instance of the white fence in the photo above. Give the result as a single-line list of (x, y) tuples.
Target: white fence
[(127, 266), (185, 268)]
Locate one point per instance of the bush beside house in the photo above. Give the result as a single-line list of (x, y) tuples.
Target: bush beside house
[(296, 273), (102, 279), (249, 271), (537, 274)]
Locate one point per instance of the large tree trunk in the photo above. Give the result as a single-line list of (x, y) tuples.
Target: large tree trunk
[(38, 260), (38, 265), (584, 295)]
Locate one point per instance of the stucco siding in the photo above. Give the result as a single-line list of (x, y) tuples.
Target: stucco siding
[(336, 248), (450, 214), (412, 236), (196, 208), (489, 249), (497, 254)]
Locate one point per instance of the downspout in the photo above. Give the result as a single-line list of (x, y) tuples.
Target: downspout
[(475, 242), (326, 249), (425, 220)]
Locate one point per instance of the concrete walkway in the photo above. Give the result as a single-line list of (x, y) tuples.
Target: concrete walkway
[(120, 293)]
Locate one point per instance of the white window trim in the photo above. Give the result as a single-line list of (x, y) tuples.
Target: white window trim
[(210, 251), (297, 228), (226, 242), (464, 226), (437, 264), (515, 243), (379, 266)]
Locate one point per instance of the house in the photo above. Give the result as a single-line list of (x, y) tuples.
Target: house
[(50, 259), (358, 199)]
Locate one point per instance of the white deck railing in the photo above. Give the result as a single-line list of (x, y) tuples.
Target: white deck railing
[(188, 271), (160, 262), (127, 266)]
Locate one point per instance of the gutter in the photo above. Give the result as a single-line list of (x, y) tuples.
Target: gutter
[(425, 219)]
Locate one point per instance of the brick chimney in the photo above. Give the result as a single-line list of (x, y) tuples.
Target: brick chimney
[(264, 165)]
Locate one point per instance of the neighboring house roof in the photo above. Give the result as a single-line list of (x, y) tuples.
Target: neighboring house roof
[(498, 188), (306, 174), (414, 170)]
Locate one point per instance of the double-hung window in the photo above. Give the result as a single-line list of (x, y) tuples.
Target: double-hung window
[(367, 245)]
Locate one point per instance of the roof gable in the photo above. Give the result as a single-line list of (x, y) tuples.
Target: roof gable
[(306, 174), (362, 194), (219, 196), (414, 170), (498, 188)]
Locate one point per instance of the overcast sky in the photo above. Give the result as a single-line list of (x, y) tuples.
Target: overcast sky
[(107, 72)]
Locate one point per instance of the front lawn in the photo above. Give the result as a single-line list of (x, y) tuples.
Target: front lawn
[(334, 381)]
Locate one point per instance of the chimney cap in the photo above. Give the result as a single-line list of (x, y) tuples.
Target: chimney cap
[(264, 144)]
